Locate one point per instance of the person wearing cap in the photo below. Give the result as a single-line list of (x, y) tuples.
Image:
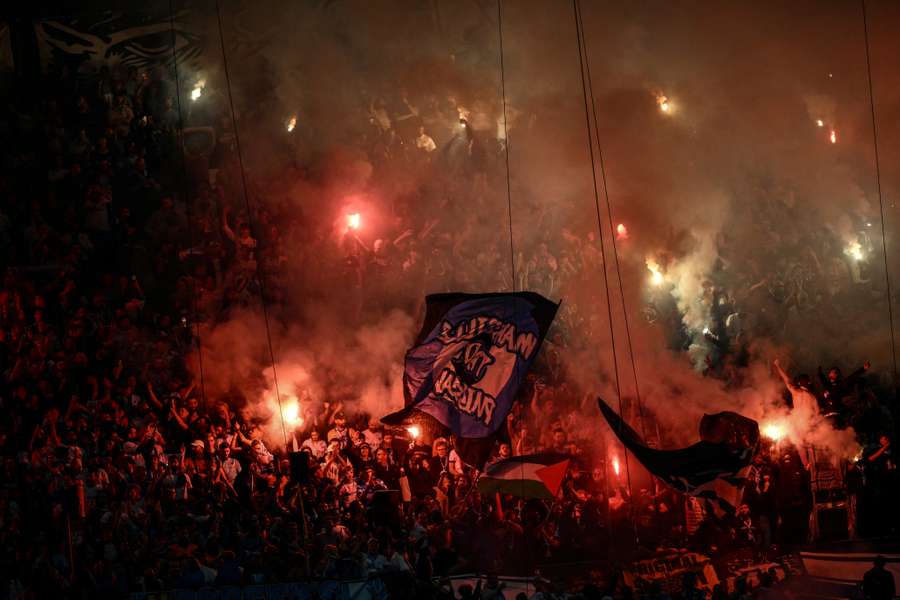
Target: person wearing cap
[(340, 431), (198, 466), (878, 582)]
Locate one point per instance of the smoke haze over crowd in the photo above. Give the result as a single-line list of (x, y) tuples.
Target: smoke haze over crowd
[(735, 190)]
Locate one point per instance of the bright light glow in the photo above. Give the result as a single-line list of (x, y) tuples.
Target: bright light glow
[(774, 431), (415, 431), (616, 467), (868, 224), (663, 103), (621, 232), (656, 276), (291, 123), (706, 331), (820, 122), (354, 221), (291, 413), (196, 93), (854, 251), (833, 136)]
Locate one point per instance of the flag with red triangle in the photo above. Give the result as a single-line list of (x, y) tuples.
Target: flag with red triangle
[(531, 476)]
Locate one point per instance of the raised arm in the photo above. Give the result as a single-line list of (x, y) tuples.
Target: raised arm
[(153, 397), (228, 231), (784, 376), (855, 375)]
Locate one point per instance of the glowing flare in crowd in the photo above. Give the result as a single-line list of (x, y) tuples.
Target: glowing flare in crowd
[(656, 276), (854, 251), (621, 232), (198, 89), (616, 467), (354, 221), (774, 431), (291, 123), (820, 123), (833, 136), (414, 431), (663, 103), (291, 414)]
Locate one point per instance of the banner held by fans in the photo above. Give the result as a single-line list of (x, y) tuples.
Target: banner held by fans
[(713, 469), (472, 354)]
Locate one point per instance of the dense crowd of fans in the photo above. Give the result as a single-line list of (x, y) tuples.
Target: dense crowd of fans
[(121, 475)]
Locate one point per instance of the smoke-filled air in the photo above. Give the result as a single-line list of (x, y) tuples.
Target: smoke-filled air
[(735, 218)]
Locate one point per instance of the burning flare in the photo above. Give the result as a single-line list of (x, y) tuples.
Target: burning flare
[(354, 221), (820, 123), (291, 414), (414, 431), (615, 464), (854, 251), (656, 276), (775, 430), (198, 90), (663, 103), (621, 232), (291, 123), (833, 136)]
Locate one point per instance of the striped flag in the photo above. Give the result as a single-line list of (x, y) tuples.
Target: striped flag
[(531, 476)]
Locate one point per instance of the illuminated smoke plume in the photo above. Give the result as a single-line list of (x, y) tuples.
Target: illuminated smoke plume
[(719, 161)]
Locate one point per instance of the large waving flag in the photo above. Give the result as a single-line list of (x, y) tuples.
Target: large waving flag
[(713, 468), (532, 476), (470, 357)]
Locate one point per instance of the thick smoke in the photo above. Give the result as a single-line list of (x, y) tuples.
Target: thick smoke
[(762, 230)]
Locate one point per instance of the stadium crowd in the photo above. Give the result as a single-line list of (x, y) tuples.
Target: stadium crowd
[(121, 475)]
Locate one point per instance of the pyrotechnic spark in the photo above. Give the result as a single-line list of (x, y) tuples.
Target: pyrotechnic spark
[(820, 122), (854, 251), (354, 221), (291, 123), (414, 431), (198, 89), (291, 414), (656, 277), (774, 431), (616, 467), (621, 232), (833, 136), (663, 103), (869, 224)]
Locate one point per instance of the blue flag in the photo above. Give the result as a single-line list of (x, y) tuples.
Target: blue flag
[(470, 357)]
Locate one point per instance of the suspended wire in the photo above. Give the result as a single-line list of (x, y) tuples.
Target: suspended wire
[(587, 117), (512, 255), (188, 203), (259, 278), (637, 390), (887, 274)]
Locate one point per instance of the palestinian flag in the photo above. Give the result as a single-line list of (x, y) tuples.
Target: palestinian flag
[(531, 476)]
